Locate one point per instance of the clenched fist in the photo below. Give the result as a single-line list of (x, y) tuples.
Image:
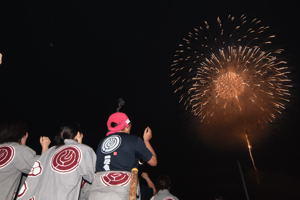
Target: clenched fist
[(45, 141), (147, 134)]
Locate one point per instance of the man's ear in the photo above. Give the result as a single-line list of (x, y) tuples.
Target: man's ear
[(76, 136), (126, 130), (24, 138)]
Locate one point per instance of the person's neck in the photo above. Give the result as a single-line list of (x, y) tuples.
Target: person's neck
[(123, 132)]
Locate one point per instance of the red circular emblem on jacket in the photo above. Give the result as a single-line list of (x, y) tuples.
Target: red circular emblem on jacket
[(66, 159), (115, 178), (7, 153)]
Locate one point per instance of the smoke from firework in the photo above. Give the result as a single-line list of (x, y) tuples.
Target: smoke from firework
[(231, 71), (121, 103)]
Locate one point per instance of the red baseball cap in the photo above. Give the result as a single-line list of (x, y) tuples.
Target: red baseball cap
[(120, 119)]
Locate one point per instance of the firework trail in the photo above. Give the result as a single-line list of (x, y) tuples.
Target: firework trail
[(251, 157), (231, 69), (250, 152)]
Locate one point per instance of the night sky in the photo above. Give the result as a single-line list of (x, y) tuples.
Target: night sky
[(70, 61)]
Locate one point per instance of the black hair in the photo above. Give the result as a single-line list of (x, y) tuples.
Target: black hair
[(65, 132), (12, 131), (163, 182)]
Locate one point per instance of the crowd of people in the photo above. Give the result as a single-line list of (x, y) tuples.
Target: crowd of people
[(71, 170)]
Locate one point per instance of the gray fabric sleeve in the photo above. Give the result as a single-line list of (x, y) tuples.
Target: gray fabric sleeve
[(25, 158), (88, 165)]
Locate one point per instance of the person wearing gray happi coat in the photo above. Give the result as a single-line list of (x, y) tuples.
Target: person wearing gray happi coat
[(59, 172), (15, 157), (163, 184)]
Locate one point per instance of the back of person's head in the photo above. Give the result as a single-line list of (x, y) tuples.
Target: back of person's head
[(65, 132), (163, 182), (12, 131), (117, 122)]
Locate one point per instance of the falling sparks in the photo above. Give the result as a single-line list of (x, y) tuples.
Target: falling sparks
[(250, 151), (230, 68), (251, 156)]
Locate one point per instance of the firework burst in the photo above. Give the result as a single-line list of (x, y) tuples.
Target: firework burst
[(231, 69)]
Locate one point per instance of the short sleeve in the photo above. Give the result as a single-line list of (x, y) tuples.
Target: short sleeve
[(141, 150)]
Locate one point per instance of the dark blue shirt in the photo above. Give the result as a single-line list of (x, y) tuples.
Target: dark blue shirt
[(121, 152)]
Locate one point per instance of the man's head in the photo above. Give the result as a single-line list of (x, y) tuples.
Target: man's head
[(13, 131), (163, 182), (118, 122)]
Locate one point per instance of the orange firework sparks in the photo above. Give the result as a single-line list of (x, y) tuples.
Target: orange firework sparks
[(231, 69), (229, 86), (229, 75)]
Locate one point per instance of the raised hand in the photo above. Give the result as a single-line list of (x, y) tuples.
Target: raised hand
[(45, 142), (147, 134)]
